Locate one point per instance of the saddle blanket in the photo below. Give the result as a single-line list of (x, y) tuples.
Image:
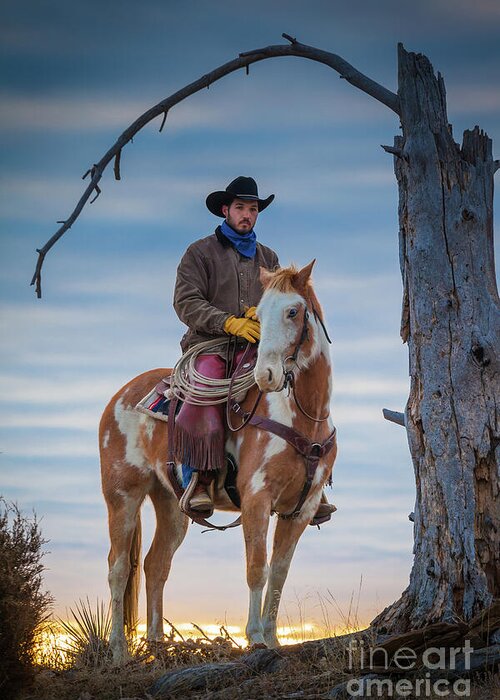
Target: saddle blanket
[(156, 403)]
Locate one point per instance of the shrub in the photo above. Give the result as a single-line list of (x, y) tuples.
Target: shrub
[(23, 604)]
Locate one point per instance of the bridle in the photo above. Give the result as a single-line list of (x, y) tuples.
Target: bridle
[(289, 378), (311, 451), (289, 382)]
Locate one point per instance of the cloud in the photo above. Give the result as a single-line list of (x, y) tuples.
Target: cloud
[(147, 200), (367, 345), (368, 386), (41, 390), (50, 316), (57, 487), (50, 446), (141, 199), (63, 420), (227, 112), (473, 99), (483, 11)]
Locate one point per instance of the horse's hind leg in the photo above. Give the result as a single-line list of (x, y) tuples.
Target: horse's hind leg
[(124, 529), (171, 527), (286, 536)]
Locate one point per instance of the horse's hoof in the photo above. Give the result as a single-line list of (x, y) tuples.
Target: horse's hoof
[(257, 645)]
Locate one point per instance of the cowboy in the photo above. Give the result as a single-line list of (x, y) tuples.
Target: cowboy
[(216, 293), (217, 289)]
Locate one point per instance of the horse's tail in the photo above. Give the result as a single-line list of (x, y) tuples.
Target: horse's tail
[(131, 596)]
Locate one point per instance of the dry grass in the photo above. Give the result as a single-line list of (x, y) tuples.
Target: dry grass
[(74, 658), (86, 673)]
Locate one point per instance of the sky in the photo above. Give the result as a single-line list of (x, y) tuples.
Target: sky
[(73, 77)]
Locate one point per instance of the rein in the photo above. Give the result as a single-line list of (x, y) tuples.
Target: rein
[(250, 351)]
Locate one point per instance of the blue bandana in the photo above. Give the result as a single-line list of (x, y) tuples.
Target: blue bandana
[(245, 244)]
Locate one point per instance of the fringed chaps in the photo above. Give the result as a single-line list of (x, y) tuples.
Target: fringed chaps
[(199, 430)]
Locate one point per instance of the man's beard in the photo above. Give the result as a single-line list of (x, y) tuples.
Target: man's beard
[(240, 231)]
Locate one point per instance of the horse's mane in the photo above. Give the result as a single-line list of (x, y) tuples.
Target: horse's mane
[(284, 280)]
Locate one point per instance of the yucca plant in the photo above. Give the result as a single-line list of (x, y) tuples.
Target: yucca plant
[(87, 634)]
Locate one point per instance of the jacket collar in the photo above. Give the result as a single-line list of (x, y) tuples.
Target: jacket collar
[(225, 242)]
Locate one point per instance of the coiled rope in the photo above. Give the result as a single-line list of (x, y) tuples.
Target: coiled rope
[(195, 388)]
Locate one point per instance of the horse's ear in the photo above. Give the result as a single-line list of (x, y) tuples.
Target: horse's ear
[(302, 276), (265, 277)]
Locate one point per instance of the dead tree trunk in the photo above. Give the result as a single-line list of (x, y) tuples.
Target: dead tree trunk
[(451, 321)]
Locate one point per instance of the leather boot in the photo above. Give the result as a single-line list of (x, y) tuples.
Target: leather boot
[(201, 500), (324, 512)]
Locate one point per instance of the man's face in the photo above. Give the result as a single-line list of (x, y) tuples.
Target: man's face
[(241, 215)]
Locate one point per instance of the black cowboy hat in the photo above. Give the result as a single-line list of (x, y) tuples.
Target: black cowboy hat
[(241, 188)]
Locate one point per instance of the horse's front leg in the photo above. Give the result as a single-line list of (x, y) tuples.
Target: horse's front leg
[(286, 536), (255, 514)]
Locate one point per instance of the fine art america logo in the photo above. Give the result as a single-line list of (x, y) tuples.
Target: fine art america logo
[(435, 671)]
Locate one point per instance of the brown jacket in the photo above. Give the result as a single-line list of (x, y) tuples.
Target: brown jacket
[(214, 282)]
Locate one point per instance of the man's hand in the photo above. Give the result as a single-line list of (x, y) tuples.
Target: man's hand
[(243, 327), (250, 313)]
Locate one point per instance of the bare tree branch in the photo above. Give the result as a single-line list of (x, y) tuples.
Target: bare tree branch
[(394, 150), (117, 165), (394, 416), (244, 60)]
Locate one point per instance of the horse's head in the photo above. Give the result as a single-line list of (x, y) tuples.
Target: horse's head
[(289, 331)]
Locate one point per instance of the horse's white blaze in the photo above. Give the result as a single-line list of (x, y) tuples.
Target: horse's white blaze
[(277, 332), (129, 422), (105, 440)]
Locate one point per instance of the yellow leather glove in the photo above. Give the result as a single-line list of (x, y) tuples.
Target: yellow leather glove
[(250, 313), (243, 327)]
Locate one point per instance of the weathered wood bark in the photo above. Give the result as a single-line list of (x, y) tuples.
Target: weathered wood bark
[(451, 321)]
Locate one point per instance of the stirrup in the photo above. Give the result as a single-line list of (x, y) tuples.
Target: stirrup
[(185, 500), (323, 514)]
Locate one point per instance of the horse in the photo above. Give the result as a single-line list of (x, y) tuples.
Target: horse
[(271, 471)]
